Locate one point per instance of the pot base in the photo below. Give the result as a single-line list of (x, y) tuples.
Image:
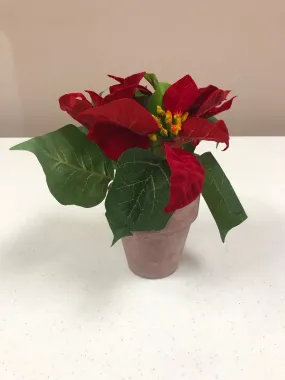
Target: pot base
[(156, 254)]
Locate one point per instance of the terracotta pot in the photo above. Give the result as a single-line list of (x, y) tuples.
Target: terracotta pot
[(156, 254)]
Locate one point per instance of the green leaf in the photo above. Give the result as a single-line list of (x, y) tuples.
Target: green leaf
[(138, 94), (118, 231), (157, 148), (114, 163), (138, 194), (76, 170), (212, 119), (141, 98), (152, 79), (220, 196), (189, 147), (156, 99), (83, 129)]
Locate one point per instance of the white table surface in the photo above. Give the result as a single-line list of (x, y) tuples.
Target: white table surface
[(71, 309)]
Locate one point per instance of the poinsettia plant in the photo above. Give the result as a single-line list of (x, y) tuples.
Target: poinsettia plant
[(135, 147)]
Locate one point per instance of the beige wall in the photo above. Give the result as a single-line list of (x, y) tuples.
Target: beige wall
[(50, 47)]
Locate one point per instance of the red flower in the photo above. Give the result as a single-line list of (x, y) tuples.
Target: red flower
[(96, 98), (76, 102), (129, 81), (196, 129), (190, 107), (123, 92), (187, 178), (184, 96), (118, 123), (208, 100), (118, 126), (181, 95)]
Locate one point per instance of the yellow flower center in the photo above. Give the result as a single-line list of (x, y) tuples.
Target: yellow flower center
[(184, 116), (168, 118), (152, 136), (169, 125), (160, 111)]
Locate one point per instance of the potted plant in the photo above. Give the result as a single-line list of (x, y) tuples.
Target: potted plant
[(135, 149)]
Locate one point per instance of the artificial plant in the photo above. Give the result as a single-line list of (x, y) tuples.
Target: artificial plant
[(135, 148)]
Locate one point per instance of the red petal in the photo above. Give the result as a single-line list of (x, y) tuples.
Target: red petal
[(186, 180), (130, 80), (74, 103), (114, 140), (135, 78), (124, 92), (144, 90), (214, 99), (203, 94), (180, 95), (125, 113), (216, 110), (196, 128), (118, 79), (96, 98), (115, 88)]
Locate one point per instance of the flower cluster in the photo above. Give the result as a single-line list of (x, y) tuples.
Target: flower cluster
[(169, 125), (132, 116)]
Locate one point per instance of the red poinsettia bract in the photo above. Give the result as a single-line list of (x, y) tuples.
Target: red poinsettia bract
[(184, 96), (129, 81), (124, 124), (186, 180), (117, 123), (76, 102), (118, 126)]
